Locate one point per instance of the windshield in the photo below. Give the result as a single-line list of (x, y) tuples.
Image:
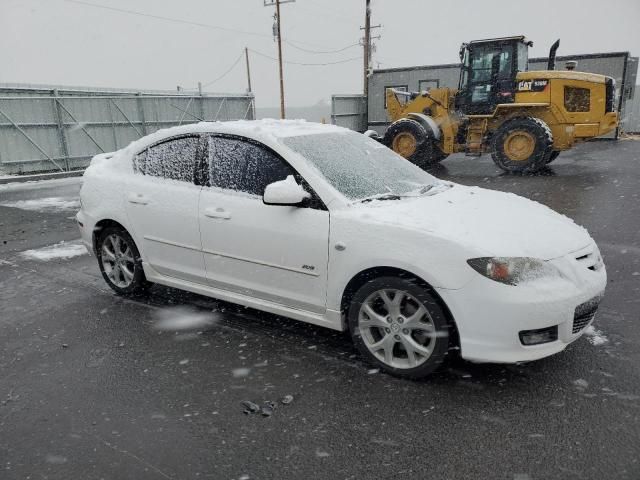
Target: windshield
[(358, 166)]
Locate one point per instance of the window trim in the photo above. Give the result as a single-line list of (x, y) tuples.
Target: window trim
[(424, 80), (315, 202), (397, 87), (197, 176)]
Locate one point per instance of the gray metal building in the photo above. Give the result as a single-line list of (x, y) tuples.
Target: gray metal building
[(61, 128), (347, 110)]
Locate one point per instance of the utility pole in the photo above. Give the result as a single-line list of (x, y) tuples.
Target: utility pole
[(368, 47), (282, 115), (246, 57), (268, 3)]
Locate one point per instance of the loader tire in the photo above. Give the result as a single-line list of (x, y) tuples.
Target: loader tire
[(410, 139), (554, 154), (522, 145)]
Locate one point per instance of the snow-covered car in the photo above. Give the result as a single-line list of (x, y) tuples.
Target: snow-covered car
[(325, 225)]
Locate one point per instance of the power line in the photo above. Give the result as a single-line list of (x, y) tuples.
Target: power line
[(177, 20), (307, 64), (226, 72), (288, 42), (168, 19)]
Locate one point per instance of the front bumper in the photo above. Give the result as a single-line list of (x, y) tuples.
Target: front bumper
[(490, 315)]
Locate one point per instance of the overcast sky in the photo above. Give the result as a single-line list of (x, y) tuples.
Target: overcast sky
[(67, 43)]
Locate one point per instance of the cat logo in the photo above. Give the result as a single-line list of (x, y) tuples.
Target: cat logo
[(532, 85), (525, 86)]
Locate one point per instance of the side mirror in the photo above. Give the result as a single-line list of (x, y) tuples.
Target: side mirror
[(285, 192)]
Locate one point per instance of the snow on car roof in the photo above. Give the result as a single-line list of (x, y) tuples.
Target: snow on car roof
[(266, 129)]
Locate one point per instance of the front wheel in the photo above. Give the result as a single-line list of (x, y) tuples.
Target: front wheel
[(120, 262), (399, 326)]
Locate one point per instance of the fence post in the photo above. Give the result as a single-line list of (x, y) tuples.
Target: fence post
[(143, 120), (201, 101), (61, 133)]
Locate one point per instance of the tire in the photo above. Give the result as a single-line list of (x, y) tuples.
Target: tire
[(552, 156), (411, 140), (120, 263), (522, 144), (381, 339)]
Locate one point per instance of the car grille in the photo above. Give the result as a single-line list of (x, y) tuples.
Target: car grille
[(584, 313)]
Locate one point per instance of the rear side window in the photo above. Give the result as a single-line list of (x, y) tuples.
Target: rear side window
[(174, 159), (577, 99), (244, 166)]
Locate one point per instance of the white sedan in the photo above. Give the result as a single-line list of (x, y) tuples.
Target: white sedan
[(327, 226)]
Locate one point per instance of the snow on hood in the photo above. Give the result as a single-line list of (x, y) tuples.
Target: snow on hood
[(487, 221)]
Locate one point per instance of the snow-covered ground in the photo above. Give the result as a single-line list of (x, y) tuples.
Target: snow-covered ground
[(13, 186), (595, 337), (60, 250), (48, 204)]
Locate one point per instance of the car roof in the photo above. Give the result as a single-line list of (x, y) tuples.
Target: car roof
[(265, 130)]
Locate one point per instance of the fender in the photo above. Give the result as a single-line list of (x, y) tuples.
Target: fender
[(428, 123)]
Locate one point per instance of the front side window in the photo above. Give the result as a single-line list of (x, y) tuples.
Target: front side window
[(483, 60), (244, 166), (576, 99), (174, 159)]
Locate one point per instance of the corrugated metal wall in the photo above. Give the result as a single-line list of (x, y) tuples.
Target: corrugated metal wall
[(617, 65), (349, 111), (632, 114), (44, 129)]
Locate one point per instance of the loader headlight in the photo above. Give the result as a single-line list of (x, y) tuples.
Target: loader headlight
[(512, 270)]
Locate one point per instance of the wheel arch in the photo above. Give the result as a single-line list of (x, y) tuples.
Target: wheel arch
[(101, 225), (362, 277), (427, 123)]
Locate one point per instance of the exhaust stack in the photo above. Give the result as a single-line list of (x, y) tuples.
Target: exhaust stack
[(552, 55)]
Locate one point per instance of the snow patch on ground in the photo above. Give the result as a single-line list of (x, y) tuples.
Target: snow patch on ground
[(49, 204), (35, 184), (177, 319), (60, 250), (595, 337)]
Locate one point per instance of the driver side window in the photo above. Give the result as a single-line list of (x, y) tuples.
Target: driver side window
[(244, 166)]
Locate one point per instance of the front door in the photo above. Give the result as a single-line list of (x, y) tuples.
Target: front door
[(271, 252), (487, 78), (162, 205)]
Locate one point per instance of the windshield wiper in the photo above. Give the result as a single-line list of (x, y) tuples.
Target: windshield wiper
[(382, 196)]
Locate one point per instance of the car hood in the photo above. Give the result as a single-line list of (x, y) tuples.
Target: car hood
[(491, 223)]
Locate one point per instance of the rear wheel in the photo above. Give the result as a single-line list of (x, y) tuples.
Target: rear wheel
[(522, 145), (410, 139), (399, 326), (554, 154), (120, 262)]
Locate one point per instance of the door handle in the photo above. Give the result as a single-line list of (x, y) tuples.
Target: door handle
[(138, 198), (217, 213)]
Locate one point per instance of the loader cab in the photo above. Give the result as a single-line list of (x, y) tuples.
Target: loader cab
[(488, 73)]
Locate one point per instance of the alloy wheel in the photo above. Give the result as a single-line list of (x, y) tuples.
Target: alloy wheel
[(117, 260), (397, 328)]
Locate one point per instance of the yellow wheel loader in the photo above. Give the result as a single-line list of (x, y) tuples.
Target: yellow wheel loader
[(523, 118)]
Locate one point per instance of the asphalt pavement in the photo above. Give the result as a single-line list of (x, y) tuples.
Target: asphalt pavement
[(91, 388)]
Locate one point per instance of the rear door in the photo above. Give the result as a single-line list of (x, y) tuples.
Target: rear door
[(162, 205), (271, 252)]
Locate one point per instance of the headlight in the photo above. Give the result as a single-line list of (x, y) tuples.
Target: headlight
[(512, 270)]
